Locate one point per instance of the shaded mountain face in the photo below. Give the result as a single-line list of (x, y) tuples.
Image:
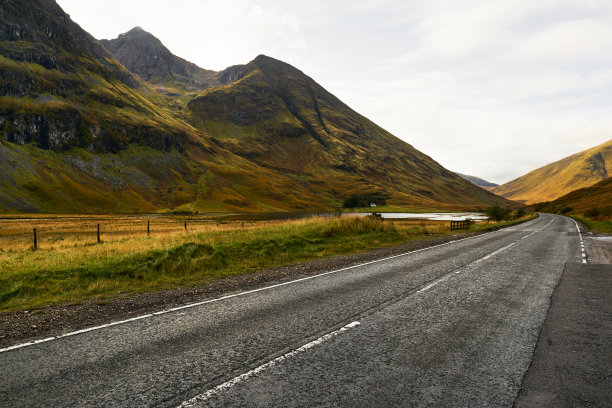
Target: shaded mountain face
[(144, 55), (61, 89), (478, 181), (80, 133), (559, 178)]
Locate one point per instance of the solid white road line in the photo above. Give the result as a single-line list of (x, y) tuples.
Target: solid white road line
[(229, 384), (583, 252), (191, 305)]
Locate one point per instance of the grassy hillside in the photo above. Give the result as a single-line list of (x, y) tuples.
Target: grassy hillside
[(280, 118), (591, 205), (595, 201), (556, 179)]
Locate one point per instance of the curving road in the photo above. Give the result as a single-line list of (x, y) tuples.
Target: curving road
[(452, 325)]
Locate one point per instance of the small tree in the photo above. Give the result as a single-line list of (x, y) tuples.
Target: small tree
[(497, 213)]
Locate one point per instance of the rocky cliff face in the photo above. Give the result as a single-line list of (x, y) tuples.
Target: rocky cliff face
[(145, 55), (59, 88)]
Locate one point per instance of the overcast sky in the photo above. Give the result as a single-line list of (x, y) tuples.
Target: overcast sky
[(488, 88)]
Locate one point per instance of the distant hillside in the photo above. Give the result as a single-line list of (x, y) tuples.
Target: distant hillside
[(478, 181), (596, 197), (557, 179)]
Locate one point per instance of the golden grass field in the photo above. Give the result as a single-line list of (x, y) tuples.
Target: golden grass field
[(69, 265)]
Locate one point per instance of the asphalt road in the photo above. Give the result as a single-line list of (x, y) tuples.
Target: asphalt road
[(453, 325)]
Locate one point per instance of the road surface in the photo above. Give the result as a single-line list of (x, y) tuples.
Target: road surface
[(452, 325)]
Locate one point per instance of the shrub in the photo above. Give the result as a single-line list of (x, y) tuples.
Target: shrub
[(497, 213), (591, 212), (540, 206), (565, 210), (518, 213)]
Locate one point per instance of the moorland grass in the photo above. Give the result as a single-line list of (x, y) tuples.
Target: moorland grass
[(603, 226), (72, 267)]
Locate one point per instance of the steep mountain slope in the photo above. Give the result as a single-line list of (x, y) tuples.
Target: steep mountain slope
[(556, 179), (143, 54), (80, 133), (597, 196), (280, 118), (478, 181), (61, 89), (177, 79)]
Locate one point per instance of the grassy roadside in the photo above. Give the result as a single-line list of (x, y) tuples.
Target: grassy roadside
[(597, 226), (70, 271)]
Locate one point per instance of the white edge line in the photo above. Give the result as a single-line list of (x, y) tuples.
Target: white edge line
[(582, 250), (191, 305), (228, 384)]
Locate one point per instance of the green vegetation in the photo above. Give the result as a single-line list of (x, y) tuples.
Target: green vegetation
[(590, 205), (497, 213), (600, 226), (69, 269)]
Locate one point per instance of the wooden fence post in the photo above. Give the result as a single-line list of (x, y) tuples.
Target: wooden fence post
[(35, 241), (99, 233), (148, 229), (185, 225)]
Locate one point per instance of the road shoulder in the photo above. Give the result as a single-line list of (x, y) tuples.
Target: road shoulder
[(571, 363), (52, 320)]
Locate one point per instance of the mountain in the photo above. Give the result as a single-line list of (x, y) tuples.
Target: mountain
[(81, 133), (596, 197), (280, 118), (478, 181), (144, 55), (559, 178)]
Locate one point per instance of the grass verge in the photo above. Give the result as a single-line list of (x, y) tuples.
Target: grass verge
[(72, 271), (597, 226)]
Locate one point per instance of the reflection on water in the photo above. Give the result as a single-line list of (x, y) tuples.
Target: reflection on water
[(397, 216), (433, 216)]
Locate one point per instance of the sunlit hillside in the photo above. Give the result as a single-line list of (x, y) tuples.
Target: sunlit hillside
[(559, 178)]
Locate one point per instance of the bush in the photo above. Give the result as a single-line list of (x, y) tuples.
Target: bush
[(540, 206), (565, 210), (592, 213), (497, 213), (518, 213)]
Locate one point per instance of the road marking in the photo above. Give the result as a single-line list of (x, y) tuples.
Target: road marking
[(229, 384), (583, 252), (192, 305)]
